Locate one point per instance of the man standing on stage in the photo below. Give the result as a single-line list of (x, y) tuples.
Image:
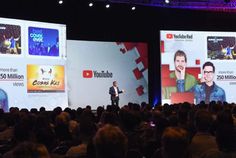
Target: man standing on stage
[(114, 92)]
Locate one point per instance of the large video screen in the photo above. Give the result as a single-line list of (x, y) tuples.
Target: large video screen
[(93, 66), (198, 66), (32, 64)]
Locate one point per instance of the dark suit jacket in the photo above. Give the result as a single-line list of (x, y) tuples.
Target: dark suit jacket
[(112, 92)]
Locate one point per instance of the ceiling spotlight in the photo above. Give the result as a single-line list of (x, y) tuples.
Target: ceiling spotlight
[(133, 8), (167, 1), (107, 5), (90, 4), (60, 1)]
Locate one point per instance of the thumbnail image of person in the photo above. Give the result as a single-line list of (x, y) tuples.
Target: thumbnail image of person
[(114, 92), (184, 81), (208, 91), (12, 44), (228, 51), (3, 100)]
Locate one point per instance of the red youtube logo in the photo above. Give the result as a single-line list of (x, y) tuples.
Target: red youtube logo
[(169, 36), (87, 73)]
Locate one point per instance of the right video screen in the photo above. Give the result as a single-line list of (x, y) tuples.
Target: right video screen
[(198, 66)]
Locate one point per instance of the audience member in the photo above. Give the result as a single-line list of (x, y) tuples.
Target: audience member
[(110, 142)]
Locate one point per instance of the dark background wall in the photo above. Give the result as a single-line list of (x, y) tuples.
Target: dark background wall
[(119, 23)]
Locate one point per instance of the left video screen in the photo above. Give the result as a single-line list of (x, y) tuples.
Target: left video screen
[(32, 64)]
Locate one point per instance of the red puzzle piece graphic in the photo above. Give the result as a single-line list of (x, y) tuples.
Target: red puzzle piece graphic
[(138, 74), (140, 90), (168, 82), (165, 71), (179, 97)]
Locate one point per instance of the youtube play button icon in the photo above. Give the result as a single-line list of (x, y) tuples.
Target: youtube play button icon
[(87, 74)]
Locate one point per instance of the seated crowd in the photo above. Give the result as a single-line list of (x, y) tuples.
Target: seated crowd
[(132, 131)]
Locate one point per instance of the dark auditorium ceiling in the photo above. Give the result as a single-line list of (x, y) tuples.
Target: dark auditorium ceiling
[(223, 5), (215, 5)]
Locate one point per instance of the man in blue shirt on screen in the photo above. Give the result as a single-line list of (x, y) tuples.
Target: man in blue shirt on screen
[(228, 51), (12, 47), (208, 91)]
